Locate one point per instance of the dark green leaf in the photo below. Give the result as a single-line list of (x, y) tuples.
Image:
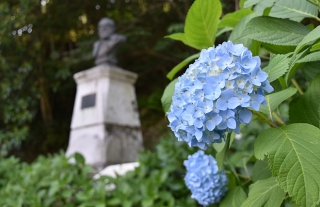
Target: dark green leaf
[(311, 70), (293, 155), (261, 170), (278, 49), (294, 9), (303, 110), (236, 34), (234, 198), (277, 66), (275, 31), (308, 39), (311, 57), (264, 193), (275, 99), (315, 46)]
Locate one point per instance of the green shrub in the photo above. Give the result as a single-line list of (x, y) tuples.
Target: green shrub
[(158, 181), (54, 181), (49, 181)]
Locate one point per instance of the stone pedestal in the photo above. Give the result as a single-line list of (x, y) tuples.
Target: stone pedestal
[(105, 125)]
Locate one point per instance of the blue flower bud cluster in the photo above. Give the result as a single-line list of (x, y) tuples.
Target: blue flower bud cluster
[(213, 95), (205, 183)]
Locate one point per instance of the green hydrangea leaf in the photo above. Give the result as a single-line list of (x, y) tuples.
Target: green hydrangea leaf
[(293, 9), (303, 110), (278, 49), (234, 198), (166, 98), (308, 39), (275, 31), (236, 34), (310, 70), (264, 193), (202, 23), (311, 57), (294, 156), (260, 170), (315, 46), (277, 66), (275, 99), (232, 19)]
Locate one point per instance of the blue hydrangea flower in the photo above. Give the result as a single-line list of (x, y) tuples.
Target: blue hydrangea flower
[(205, 183), (213, 96)]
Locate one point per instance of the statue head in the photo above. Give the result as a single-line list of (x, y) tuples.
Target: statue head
[(106, 27)]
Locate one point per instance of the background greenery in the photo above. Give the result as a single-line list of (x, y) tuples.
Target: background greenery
[(37, 67)]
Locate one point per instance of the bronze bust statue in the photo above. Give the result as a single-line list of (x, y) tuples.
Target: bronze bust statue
[(105, 48)]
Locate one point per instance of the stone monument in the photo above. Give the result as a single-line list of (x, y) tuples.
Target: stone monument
[(105, 126)]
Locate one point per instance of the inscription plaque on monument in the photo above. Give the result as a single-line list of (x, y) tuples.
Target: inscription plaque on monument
[(88, 101)]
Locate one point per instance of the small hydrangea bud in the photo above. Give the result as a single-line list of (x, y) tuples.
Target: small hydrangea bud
[(206, 184), (213, 95)]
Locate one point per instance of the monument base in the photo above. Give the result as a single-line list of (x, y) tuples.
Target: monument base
[(106, 144), (105, 125)]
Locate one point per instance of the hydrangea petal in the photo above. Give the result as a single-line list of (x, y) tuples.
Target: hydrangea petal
[(212, 96)]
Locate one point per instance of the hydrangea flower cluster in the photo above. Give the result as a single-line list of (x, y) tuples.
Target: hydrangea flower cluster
[(205, 183), (213, 95)]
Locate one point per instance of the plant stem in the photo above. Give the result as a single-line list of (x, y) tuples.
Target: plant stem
[(295, 83), (261, 116), (278, 119)]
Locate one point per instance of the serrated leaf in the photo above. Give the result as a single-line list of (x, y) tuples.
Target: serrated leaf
[(275, 99), (178, 67), (278, 49), (202, 23), (264, 193), (303, 110), (311, 70), (166, 98), (236, 34), (308, 39), (275, 31), (232, 19), (234, 198), (294, 9), (260, 170), (294, 66), (294, 157), (311, 57), (277, 66)]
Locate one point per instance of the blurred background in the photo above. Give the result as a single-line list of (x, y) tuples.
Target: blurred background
[(44, 42)]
